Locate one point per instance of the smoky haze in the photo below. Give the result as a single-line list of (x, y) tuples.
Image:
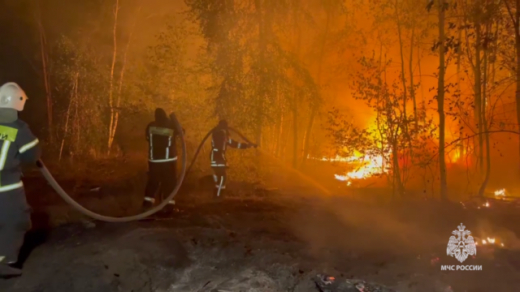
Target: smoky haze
[(275, 70), (397, 119)]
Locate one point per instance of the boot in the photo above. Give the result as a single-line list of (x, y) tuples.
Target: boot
[(6, 271), (168, 209), (147, 204)]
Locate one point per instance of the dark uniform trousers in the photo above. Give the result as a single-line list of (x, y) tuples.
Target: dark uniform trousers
[(15, 221), (162, 179), (219, 165), (220, 141), (162, 163), (17, 145)]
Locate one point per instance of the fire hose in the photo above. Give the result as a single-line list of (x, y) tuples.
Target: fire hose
[(57, 187), (65, 196)]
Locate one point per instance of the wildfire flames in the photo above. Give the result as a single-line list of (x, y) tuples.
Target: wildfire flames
[(366, 166), (489, 241), (500, 193)]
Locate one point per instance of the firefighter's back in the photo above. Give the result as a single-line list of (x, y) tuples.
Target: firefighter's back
[(161, 139), (17, 145)]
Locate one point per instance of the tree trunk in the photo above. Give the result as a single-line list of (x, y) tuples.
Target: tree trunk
[(440, 103), (112, 69), (45, 71), (120, 87), (295, 96), (423, 99), (485, 127), (459, 88), (478, 97), (295, 130), (262, 84), (405, 93), (75, 141), (280, 126), (308, 134), (398, 184), (73, 97), (314, 108), (517, 44), (412, 85), (403, 78)]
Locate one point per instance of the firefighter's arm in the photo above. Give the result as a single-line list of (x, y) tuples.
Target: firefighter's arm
[(28, 145), (239, 145), (147, 132)]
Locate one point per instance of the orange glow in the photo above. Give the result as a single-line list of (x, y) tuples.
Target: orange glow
[(367, 166), (500, 193)]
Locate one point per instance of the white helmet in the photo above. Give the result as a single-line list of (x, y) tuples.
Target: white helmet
[(12, 96)]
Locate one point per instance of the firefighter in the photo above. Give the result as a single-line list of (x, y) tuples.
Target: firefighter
[(219, 141), (18, 145), (162, 158)]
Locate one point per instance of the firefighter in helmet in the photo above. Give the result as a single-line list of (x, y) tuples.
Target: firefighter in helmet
[(220, 139), (162, 158), (18, 145)]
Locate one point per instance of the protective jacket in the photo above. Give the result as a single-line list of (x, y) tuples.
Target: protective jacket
[(219, 142), (161, 142), (162, 158), (18, 145)]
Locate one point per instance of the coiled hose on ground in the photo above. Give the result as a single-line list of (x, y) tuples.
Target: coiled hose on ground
[(56, 186)]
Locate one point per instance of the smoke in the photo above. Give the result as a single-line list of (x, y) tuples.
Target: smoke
[(340, 228), (485, 229), (345, 225)]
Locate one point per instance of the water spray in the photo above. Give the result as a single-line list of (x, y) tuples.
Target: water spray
[(274, 158)]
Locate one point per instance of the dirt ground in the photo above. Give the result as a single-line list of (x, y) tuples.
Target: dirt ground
[(274, 238)]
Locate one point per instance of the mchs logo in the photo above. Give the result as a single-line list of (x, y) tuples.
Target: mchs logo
[(460, 246)]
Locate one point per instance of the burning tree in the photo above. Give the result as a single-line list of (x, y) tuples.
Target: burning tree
[(392, 138)]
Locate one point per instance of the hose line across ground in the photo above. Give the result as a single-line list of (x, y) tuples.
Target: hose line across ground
[(56, 186)]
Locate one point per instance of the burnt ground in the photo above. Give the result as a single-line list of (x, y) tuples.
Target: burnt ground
[(274, 238)]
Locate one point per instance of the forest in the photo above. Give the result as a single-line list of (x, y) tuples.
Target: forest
[(421, 93)]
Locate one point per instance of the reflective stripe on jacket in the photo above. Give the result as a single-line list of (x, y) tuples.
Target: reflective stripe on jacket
[(17, 145), (219, 141), (161, 143)]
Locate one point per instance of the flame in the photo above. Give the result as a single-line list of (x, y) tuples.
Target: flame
[(336, 159), (455, 155), (500, 193), (368, 166), (490, 241)]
